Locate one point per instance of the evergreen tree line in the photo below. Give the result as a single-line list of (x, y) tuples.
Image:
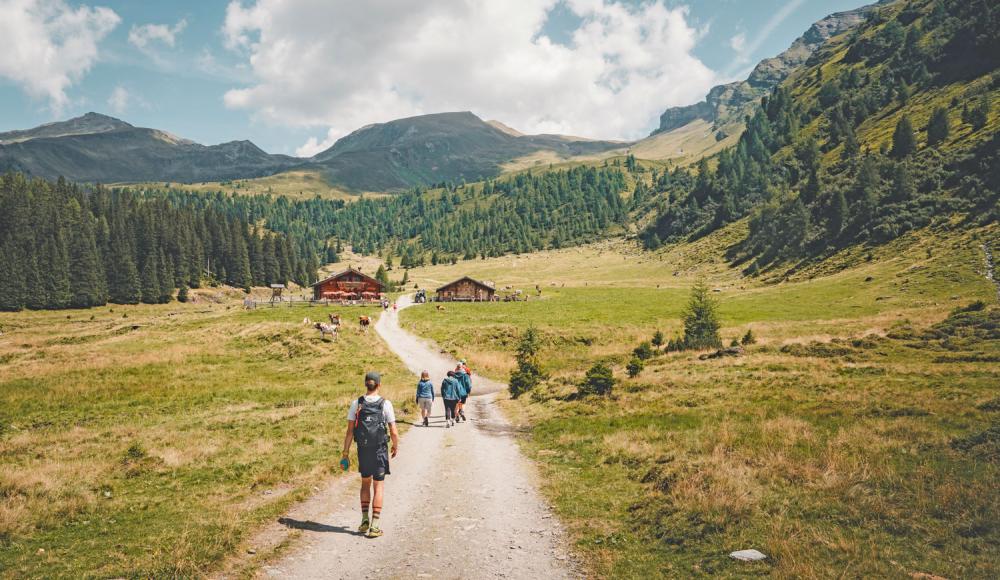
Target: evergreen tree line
[(67, 246), (801, 207), (524, 213)]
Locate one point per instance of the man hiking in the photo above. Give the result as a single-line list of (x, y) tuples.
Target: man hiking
[(371, 422)]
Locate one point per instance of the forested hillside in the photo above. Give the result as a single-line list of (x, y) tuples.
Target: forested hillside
[(526, 212), (63, 245), (887, 128)]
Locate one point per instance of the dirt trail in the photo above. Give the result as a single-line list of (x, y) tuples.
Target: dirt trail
[(460, 503)]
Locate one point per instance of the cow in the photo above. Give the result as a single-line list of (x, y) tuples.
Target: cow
[(325, 329), (365, 323), (440, 307), (335, 319)]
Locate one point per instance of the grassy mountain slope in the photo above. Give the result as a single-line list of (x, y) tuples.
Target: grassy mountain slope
[(430, 149)]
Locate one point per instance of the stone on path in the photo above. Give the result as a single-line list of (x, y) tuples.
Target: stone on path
[(747, 555)]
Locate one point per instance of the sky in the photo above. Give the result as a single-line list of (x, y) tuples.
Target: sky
[(295, 75)]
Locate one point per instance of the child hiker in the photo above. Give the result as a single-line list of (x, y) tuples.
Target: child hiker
[(451, 393), (425, 396)]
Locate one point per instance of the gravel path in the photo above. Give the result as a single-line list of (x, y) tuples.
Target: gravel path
[(461, 502)]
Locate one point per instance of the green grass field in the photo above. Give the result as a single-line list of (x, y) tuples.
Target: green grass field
[(149, 441), (831, 447)]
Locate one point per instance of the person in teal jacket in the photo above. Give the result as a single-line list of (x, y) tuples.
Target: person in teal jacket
[(451, 392), (466, 387), (425, 396)]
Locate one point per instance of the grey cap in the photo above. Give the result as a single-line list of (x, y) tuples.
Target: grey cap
[(373, 377)]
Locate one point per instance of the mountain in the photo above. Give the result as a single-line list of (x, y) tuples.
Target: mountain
[(98, 148), (707, 127), (435, 148)]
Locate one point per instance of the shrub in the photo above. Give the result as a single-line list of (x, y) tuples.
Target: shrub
[(643, 351), (658, 339), (634, 367), (748, 338), (182, 294), (599, 381), (528, 373)]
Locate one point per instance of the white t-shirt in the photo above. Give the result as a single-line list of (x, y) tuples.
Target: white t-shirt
[(390, 415)]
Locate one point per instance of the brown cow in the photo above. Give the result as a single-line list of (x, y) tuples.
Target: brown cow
[(365, 323), (335, 319)]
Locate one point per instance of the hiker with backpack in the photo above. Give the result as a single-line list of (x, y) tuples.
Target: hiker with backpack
[(465, 384), (425, 396), (371, 422), (451, 393)]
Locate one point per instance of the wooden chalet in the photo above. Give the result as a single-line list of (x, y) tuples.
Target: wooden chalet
[(466, 289), (350, 284)]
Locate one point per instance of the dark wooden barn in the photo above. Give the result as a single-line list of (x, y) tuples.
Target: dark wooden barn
[(350, 284), (466, 289)]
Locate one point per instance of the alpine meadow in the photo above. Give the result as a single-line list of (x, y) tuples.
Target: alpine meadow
[(763, 340)]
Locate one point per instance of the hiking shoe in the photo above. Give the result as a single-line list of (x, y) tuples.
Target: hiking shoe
[(425, 422), (364, 527), (374, 532)]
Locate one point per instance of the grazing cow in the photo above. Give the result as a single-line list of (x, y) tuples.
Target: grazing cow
[(325, 329), (440, 306), (365, 323), (306, 321), (335, 319)]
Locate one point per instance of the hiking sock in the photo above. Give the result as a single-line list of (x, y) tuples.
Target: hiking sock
[(376, 513), (364, 512)]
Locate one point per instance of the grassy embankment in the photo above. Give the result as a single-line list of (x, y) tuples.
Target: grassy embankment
[(151, 445), (831, 452)]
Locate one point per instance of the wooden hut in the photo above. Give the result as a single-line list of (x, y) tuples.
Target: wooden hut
[(466, 289), (350, 284)]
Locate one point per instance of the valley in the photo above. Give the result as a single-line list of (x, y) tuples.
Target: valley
[(771, 324)]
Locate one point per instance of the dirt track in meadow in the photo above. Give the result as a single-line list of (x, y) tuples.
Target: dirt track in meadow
[(461, 502)]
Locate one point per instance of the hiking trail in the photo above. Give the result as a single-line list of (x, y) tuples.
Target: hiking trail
[(460, 502)]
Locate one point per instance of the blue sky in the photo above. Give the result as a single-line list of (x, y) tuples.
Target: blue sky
[(294, 76)]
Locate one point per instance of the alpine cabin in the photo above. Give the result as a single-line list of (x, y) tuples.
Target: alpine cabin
[(350, 284), (466, 289)]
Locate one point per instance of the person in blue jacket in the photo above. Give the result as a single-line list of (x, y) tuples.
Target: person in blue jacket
[(425, 396), (465, 381), (451, 393)]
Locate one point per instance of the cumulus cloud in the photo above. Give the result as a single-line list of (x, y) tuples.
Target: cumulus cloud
[(343, 64), (46, 45), (148, 35)]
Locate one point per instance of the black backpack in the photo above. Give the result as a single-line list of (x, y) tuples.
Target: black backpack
[(369, 424)]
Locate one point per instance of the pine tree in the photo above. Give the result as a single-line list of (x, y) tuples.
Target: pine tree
[(85, 267), (838, 215), (701, 320), (938, 128), (165, 275), (151, 279), (904, 142)]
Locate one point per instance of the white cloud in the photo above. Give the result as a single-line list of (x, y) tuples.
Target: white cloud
[(46, 45), (146, 36), (119, 99), (122, 100), (738, 42), (344, 64)]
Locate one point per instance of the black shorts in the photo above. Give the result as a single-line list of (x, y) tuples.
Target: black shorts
[(374, 462), (462, 400)]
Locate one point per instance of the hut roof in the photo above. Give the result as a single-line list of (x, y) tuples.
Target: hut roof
[(473, 280), (348, 271)]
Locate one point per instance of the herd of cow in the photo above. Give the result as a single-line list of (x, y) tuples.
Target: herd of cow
[(333, 327)]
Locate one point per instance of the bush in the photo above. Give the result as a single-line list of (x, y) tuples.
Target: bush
[(528, 373), (599, 381), (658, 339), (748, 338), (643, 351), (182, 294), (634, 367), (676, 344)]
